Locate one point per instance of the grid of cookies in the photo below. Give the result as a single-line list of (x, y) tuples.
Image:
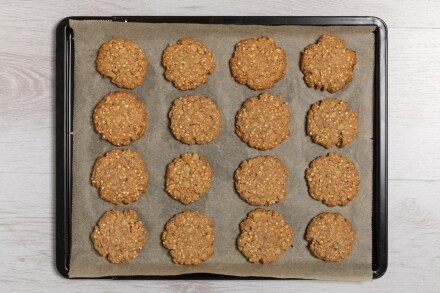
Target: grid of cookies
[(262, 123)]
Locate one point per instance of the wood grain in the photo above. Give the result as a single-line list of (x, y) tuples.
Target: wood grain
[(27, 128)]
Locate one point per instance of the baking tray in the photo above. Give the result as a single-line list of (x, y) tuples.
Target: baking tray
[(64, 104)]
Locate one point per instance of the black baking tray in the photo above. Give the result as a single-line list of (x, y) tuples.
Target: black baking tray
[(64, 103)]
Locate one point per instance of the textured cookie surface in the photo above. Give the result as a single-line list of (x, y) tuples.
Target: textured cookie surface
[(123, 62), (189, 237), (265, 235), (187, 63), (258, 63), (328, 65), (331, 122), (119, 235), (120, 176), (333, 179), (261, 180), (195, 120), (120, 118), (330, 236), (263, 121), (188, 177)]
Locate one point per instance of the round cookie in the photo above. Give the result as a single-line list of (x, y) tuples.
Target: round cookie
[(331, 122), (119, 235), (195, 120), (332, 179), (188, 177), (263, 121), (123, 62), (261, 180), (265, 235), (258, 63), (120, 118), (188, 63), (120, 176), (328, 65), (330, 236), (189, 237)]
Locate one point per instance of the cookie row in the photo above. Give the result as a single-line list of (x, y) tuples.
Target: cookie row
[(262, 121), (257, 62), (121, 178), (189, 236)]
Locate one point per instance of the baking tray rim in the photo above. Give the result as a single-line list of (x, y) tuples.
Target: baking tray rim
[(64, 97)]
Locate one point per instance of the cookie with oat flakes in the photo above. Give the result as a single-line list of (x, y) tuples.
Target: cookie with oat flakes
[(263, 121), (258, 63), (120, 176), (330, 237), (123, 62), (188, 63), (120, 118), (189, 237), (332, 179), (265, 236), (188, 177), (119, 235), (331, 122), (261, 180), (328, 65), (195, 120)]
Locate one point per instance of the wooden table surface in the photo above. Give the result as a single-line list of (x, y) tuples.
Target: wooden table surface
[(27, 141)]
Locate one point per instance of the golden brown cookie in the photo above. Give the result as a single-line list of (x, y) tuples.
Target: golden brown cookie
[(258, 63), (332, 179), (195, 120), (188, 177), (120, 176), (188, 63), (265, 235), (330, 236), (328, 65), (123, 62), (263, 121), (261, 180), (331, 122), (189, 237), (119, 235), (120, 118)]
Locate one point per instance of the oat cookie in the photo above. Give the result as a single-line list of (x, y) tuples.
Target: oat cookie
[(332, 179), (258, 63), (195, 120), (261, 180), (120, 118), (120, 176), (330, 236), (119, 235), (188, 63), (328, 65), (123, 62), (265, 235), (189, 237), (263, 121), (331, 122), (188, 177)]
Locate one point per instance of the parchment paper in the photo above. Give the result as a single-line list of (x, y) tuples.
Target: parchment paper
[(221, 204)]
